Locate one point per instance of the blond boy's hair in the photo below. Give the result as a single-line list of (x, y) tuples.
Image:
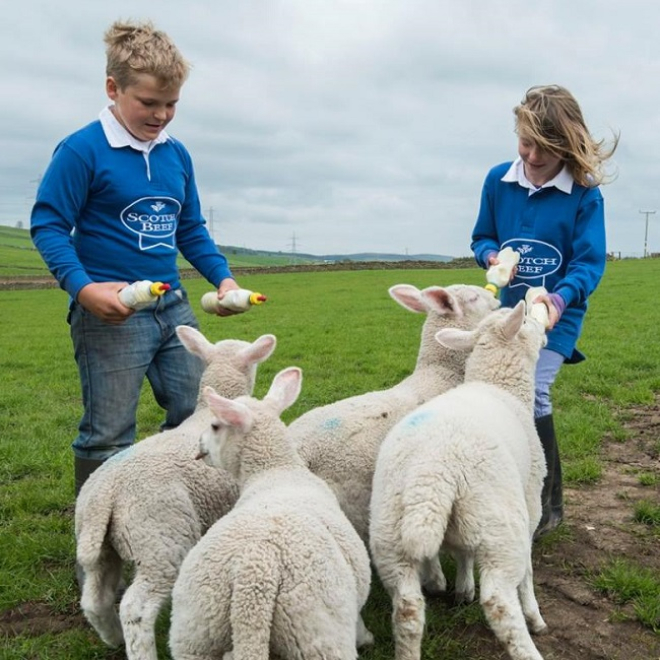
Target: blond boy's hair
[(137, 48), (550, 117)]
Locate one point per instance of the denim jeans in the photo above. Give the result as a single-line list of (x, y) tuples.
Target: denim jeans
[(113, 361), (546, 371)]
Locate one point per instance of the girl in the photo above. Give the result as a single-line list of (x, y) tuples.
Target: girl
[(547, 205)]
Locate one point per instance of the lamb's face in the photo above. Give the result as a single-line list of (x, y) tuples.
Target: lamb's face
[(226, 371), (534, 335), (217, 447), (507, 328), (476, 302)]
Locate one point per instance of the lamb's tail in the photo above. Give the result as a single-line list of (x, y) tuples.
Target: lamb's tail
[(253, 603), (427, 508), (94, 508)]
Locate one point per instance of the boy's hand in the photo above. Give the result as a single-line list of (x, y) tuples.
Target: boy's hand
[(227, 284), (102, 300)]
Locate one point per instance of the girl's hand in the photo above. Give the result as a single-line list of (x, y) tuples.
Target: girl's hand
[(493, 261), (553, 312)]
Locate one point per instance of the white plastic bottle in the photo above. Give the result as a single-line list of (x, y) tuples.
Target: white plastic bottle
[(142, 293), (538, 311), (499, 275), (237, 300)]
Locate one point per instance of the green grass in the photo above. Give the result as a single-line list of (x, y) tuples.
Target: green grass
[(625, 583), (18, 256), (648, 513), (349, 337)]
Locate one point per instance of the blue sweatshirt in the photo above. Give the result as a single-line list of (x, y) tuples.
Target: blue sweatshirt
[(560, 234), (107, 213)]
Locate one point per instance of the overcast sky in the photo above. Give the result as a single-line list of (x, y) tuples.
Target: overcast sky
[(345, 126)]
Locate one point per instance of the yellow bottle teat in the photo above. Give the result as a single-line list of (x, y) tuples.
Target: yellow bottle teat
[(257, 298), (159, 288), (493, 289)]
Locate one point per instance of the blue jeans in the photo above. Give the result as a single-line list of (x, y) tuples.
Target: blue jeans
[(546, 371), (113, 361)]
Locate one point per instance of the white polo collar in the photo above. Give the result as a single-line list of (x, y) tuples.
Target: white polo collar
[(516, 174), (117, 136)]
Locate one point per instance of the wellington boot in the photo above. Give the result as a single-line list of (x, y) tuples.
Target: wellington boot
[(551, 496), (82, 468)]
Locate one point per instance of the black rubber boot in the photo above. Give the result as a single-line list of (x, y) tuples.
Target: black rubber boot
[(552, 499), (82, 468)]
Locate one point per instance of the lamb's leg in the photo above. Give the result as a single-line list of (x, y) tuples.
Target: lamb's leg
[(499, 598), (139, 610), (408, 614), (433, 579), (464, 588), (98, 597), (363, 636), (529, 603)]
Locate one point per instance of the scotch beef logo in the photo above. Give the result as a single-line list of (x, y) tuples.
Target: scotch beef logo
[(153, 220), (538, 260)]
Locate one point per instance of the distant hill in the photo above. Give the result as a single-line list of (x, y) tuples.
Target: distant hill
[(378, 256), (19, 257), (230, 250)]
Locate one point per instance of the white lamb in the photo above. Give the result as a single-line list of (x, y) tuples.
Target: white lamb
[(284, 573), (465, 470), (150, 504), (339, 442)]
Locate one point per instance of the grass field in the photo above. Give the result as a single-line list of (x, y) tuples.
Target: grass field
[(349, 337)]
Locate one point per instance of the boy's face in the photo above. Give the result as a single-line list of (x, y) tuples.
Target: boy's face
[(143, 108)]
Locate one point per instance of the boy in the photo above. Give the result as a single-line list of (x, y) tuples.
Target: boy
[(115, 205)]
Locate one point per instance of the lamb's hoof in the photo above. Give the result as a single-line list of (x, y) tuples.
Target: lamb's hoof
[(540, 628), (113, 638), (433, 590), (464, 598)]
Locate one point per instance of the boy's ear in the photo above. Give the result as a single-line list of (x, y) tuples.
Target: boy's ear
[(111, 87)]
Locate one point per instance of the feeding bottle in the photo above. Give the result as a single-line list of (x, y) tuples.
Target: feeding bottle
[(499, 275), (538, 311), (237, 300), (142, 293)]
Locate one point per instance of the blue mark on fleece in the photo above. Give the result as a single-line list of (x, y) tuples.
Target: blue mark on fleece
[(331, 424), (417, 418), (121, 455)]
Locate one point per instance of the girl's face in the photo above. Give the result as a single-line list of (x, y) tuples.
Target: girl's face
[(144, 108), (540, 166)]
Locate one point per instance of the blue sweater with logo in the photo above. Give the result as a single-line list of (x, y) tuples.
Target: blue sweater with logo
[(115, 214), (561, 240)]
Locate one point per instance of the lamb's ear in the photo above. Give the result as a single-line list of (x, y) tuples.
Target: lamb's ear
[(260, 349), (514, 321), (228, 412), (459, 340), (441, 301), (195, 342), (408, 296), (285, 388)]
